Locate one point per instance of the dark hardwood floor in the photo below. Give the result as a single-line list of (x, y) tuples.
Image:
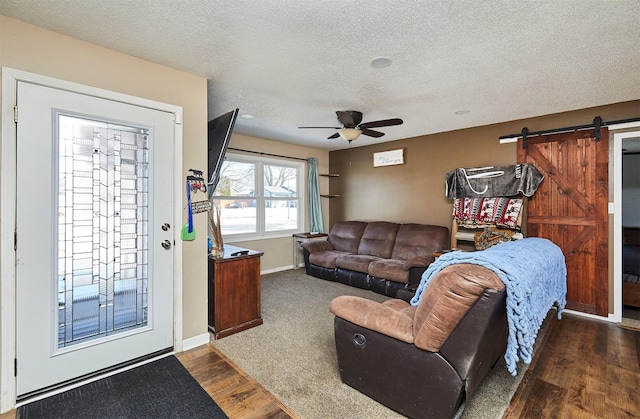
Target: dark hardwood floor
[(239, 395), (583, 368)]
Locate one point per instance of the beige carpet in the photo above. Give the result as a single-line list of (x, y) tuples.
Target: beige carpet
[(293, 354)]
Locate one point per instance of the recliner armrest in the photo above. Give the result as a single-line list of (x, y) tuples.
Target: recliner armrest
[(393, 317), (316, 246)]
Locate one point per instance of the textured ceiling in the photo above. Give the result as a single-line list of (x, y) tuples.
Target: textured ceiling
[(293, 63)]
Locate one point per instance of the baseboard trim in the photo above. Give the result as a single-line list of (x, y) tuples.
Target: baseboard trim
[(590, 316), (279, 269), (195, 341)]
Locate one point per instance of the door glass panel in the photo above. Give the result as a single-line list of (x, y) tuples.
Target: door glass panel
[(103, 180)]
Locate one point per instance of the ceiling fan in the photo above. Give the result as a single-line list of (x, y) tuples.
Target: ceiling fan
[(352, 128)]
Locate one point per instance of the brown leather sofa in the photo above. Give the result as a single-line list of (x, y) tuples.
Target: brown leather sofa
[(425, 361), (381, 256)]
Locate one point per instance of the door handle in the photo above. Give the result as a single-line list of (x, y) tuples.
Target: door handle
[(166, 244)]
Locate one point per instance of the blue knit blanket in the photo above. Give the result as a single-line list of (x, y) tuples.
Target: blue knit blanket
[(535, 276)]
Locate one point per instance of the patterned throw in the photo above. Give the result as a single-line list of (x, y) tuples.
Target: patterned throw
[(484, 212), (535, 275)]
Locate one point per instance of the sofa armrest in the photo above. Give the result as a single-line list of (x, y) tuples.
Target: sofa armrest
[(415, 276), (405, 294), (393, 317), (418, 262), (316, 246), (416, 268)]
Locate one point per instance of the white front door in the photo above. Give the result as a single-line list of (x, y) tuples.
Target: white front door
[(94, 256)]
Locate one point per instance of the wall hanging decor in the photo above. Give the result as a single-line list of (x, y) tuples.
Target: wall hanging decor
[(388, 158)]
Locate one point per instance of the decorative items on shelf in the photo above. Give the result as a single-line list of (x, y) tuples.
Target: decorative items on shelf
[(492, 236), (491, 198), (215, 232)]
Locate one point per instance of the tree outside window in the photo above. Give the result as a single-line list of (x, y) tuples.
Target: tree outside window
[(259, 197)]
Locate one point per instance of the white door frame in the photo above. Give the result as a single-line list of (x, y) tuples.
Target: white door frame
[(10, 78), (632, 130)]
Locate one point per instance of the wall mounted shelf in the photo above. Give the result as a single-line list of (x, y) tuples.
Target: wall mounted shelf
[(329, 175)]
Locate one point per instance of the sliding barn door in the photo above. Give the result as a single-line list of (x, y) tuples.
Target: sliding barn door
[(570, 209)]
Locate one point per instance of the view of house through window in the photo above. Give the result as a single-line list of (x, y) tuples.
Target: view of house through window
[(259, 196)]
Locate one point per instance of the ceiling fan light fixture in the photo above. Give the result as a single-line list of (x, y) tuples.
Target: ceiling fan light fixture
[(349, 134)]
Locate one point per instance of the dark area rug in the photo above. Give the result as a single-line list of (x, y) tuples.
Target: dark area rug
[(159, 389)]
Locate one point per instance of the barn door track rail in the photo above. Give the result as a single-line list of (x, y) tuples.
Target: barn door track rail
[(596, 124)]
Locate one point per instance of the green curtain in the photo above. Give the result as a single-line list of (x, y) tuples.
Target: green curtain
[(315, 206)]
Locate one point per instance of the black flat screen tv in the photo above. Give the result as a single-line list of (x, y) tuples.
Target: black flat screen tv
[(220, 130)]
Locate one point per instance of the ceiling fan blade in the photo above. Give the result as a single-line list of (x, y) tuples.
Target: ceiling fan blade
[(322, 127), (370, 132), (350, 119), (382, 123), (336, 135)]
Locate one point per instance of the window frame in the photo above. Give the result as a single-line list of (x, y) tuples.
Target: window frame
[(260, 162)]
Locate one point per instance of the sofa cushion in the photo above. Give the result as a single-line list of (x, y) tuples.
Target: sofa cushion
[(378, 239), (391, 269), (449, 296), (345, 235), (326, 258), (393, 317), (415, 240), (358, 263)]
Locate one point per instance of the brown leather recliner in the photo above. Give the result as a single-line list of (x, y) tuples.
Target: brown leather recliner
[(424, 361)]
